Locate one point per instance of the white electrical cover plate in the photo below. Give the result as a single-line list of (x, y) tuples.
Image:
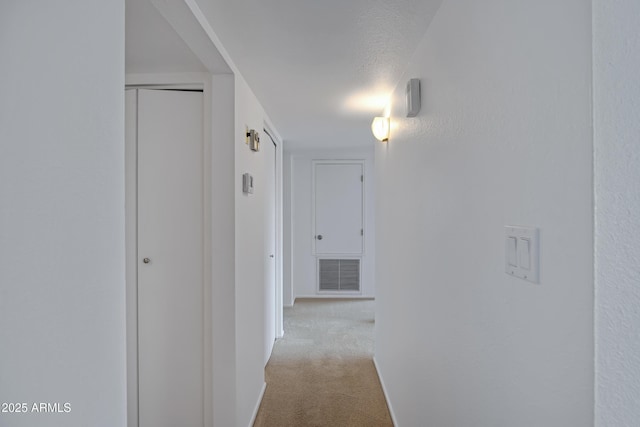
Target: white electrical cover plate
[(522, 252)]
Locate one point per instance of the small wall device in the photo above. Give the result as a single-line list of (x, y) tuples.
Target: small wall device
[(413, 97), (253, 139), (247, 183)]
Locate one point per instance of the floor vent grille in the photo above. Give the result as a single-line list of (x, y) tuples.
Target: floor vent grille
[(336, 275)]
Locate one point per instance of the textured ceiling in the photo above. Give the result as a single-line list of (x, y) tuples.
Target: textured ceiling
[(321, 69)]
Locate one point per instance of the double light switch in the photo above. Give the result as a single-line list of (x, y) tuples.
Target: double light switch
[(522, 247)]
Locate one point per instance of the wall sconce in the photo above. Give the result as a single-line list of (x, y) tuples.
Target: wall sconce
[(380, 128), (252, 139)]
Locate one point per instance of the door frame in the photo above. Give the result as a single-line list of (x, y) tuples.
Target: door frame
[(181, 81), (279, 315), (316, 162)]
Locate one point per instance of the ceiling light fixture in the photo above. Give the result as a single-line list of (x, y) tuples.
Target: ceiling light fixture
[(380, 128)]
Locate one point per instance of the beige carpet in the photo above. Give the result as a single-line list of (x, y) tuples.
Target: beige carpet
[(321, 373)]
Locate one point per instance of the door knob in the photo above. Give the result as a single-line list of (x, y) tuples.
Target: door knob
[(146, 260), (319, 237), (271, 256)]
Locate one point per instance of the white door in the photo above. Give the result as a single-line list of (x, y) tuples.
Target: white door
[(338, 208), (170, 258), (270, 242)]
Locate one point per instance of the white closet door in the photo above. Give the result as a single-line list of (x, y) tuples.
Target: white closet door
[(170, 260), (338, 208), (270, 243)]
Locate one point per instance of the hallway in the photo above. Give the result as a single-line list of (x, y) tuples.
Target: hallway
[(528, 118), (322, 373)]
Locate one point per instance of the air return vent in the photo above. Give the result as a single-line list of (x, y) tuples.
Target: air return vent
[(339, 275)]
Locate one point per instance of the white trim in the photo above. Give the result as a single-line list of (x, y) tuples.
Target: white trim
[(386, 395), (333, 296), (207, 253), (131, 257), (186, 81), (257, 408), (274, 133), (290, 227)]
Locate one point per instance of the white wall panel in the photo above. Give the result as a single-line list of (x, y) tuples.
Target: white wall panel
[(62, 271), (503, 137), (253, 300)]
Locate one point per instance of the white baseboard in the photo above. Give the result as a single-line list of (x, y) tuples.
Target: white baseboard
[(255, 411), (330, 296), (386, 395)]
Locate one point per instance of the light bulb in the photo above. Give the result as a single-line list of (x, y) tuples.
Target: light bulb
[(380, 128)]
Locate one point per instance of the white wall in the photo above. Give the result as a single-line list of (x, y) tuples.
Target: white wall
[(62, 272), (616, 61), (252, 295), (300, 268), (223, 298), (503, 137)]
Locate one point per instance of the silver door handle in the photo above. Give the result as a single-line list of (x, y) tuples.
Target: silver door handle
[(146, 260), (319, 237)]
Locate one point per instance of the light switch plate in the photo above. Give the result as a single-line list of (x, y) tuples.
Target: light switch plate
[(526, 255), (512, 251)]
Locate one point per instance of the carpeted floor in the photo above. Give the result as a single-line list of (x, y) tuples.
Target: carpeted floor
[(321, 373)]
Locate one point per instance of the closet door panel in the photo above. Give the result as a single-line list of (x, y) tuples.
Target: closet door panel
[(170, 260)]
